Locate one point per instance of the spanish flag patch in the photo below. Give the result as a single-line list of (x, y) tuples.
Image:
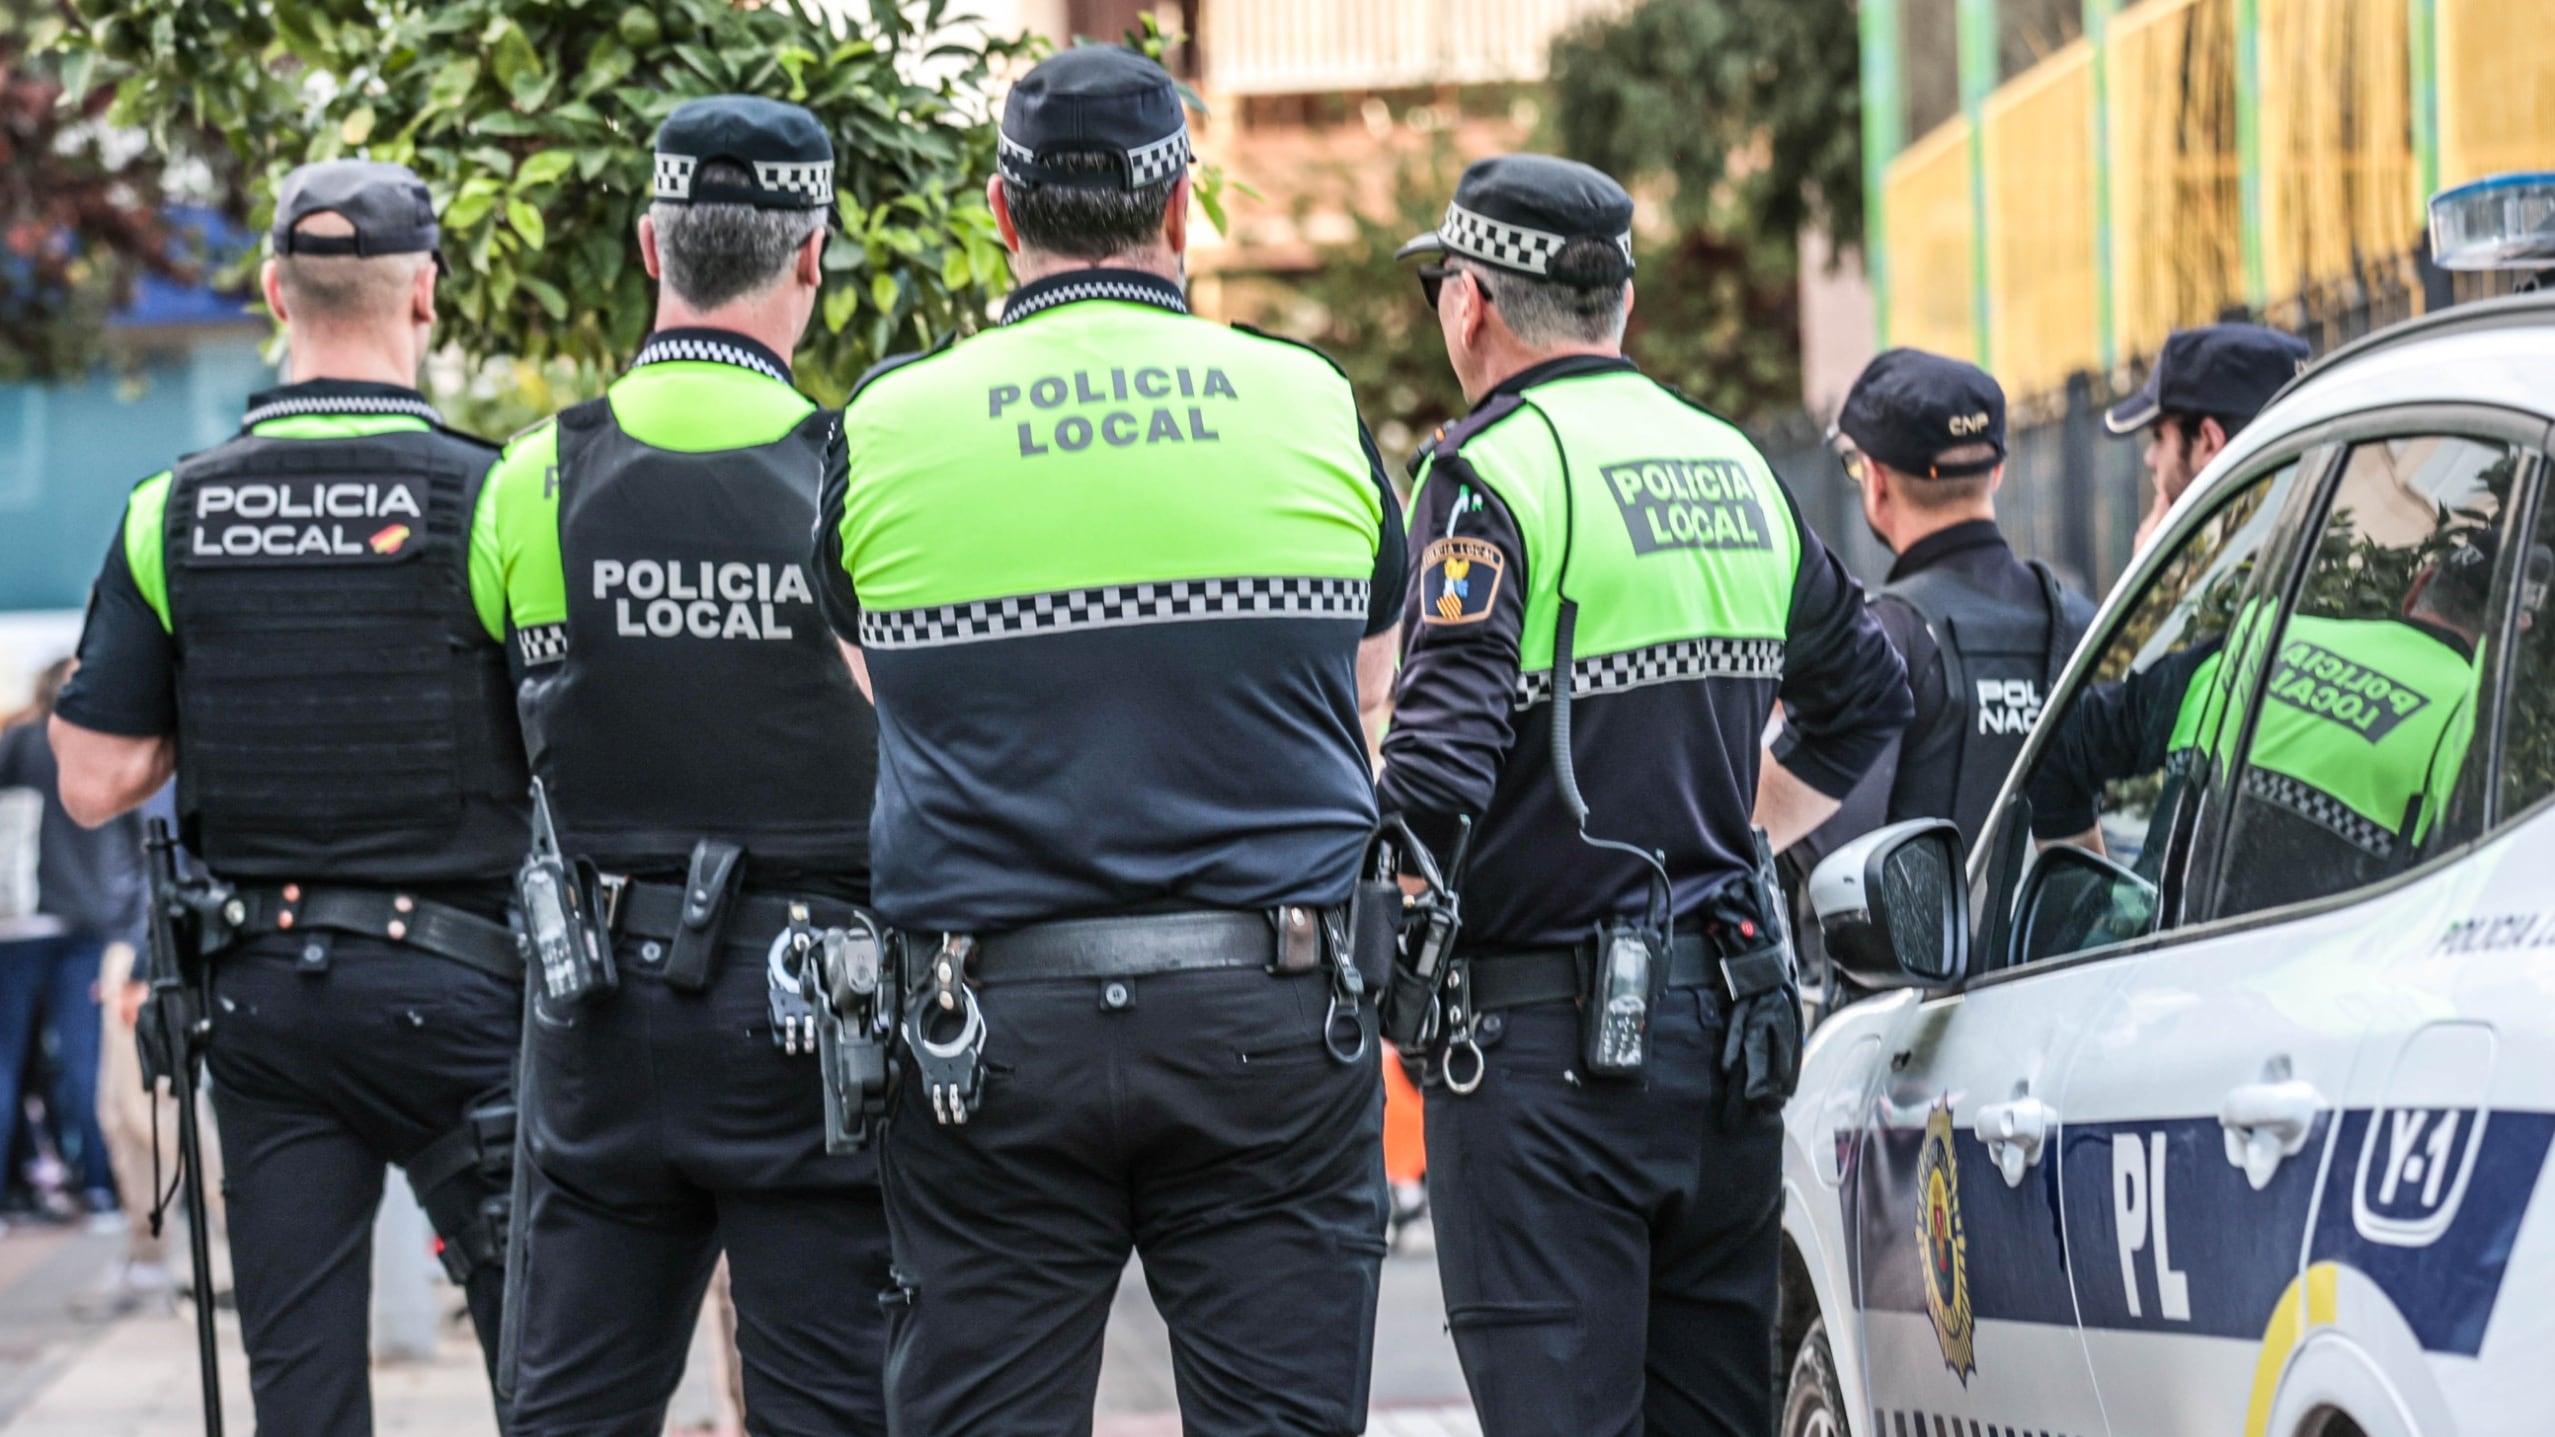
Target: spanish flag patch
[(1459, 578)]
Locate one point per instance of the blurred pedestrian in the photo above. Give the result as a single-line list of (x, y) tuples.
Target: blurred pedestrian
[(88, 895)]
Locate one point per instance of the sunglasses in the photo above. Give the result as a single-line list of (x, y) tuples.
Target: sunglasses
[(1850, 459), (1432, 282)]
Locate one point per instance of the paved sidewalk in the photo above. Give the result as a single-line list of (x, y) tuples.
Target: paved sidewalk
[(137, 1377)]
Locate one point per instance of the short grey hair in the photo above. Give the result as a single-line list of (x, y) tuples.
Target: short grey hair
[(1557, 311), (715, 253), (1088, 222)]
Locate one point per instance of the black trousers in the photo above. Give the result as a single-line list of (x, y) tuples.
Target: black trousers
[(319, 1081), (666, 1127), (1200, 1122), (1608, 1250)]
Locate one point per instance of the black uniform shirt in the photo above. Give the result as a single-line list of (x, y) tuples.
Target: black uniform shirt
[(1671, 766)]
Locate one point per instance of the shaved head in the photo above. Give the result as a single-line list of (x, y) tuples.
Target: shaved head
[(331, 291)]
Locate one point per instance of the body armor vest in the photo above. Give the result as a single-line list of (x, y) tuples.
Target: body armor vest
[(695, 691), (342, 715), (1999, 668)]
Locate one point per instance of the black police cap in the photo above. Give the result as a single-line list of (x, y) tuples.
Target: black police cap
[(387, 204), (1515, 212), (1909, 408), (2229, 370), (781, 145), (1102, 100)]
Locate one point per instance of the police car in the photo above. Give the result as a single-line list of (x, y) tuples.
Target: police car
[(2219, 1096)]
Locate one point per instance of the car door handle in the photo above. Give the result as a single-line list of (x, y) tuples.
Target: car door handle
[(2015, 1132), (2267, 1122)]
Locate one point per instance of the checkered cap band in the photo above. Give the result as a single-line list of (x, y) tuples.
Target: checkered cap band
[(2319, 808), (1116, 606), (1478, 236), (542, 644), (1659, 664), (674, 176), (815, 181), (1151, 164)]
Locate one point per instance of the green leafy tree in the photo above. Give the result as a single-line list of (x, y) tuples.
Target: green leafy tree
[(531, 119), (80, 207)]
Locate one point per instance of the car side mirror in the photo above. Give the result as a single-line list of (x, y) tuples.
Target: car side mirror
[(1894, 908), (2074, 899)]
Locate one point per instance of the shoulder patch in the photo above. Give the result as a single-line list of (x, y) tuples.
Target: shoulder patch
[(1459, 579)]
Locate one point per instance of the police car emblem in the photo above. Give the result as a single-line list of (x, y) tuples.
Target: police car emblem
[(1458, 580), (1944, 1244)]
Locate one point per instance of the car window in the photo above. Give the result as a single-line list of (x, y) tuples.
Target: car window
[(2120, 774), (2527, 769), (2352, 763)]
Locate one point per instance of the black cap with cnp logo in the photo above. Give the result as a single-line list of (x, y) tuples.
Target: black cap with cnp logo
[(2226, 370), (1103, 100), (386, 204), (781, 145), (1515, 212), (1909, 408)]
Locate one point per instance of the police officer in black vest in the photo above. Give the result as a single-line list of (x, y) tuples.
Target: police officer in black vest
[(707, 759), (1984, 634), (285, 621)]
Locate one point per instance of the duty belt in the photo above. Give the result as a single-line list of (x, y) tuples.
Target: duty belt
[(1136, 947), (446, 932), (655, 910), (1522, 978)]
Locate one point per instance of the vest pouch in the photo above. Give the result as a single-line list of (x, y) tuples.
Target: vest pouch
[(716, 873)]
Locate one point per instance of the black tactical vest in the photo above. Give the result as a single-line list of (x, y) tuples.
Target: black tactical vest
[(695, 690), (1999, 666), (341, 713)]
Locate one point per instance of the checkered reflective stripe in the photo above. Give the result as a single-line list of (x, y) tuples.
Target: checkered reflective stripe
[(342, 404), (674, 176), (542, 644), (1116, 606), (1010, 154), (1498, 242), (1659, 664), (704, 351), (1160, 160), (1156, 296), (2319, 808), (816, 181)]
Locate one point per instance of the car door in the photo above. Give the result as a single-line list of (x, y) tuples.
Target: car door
[(2321, 757)]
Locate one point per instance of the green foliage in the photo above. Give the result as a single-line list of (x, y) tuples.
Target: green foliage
[(80, 220), (1753, 108), (531, 122)]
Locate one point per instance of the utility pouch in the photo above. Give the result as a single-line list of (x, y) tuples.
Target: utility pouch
[(1415, 931), (717, 871), (1375, 931), (1622, 968), (1761, 1049)]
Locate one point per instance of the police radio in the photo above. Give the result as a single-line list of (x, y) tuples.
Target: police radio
[(566, 943)]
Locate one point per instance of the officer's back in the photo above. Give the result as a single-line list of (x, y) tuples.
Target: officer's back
[(1984, 634)]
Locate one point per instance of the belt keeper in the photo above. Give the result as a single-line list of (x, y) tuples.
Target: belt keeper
[(717, 871)]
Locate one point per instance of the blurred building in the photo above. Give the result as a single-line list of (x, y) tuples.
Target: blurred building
[(2055, 184)]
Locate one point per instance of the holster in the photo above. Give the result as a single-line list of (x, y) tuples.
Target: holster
[(717, 872)]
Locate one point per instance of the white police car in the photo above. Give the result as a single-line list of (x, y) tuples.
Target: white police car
[(2229, 1110)]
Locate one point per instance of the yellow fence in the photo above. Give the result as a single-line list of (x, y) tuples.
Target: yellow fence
[(1928, 228), (2037, 139), (2337, 179)]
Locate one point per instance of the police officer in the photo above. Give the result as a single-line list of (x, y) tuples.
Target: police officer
[(702, 746), (1116, 572), (1607, 1220), (285, 620), (2207, 385), (1984, 634)]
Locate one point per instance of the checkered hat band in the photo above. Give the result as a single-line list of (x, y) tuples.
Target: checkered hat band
[(542, 644), (1116, 606), (1148, 165), (1478, 236), (813, 182), (2319, 808), (1684, 660)]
